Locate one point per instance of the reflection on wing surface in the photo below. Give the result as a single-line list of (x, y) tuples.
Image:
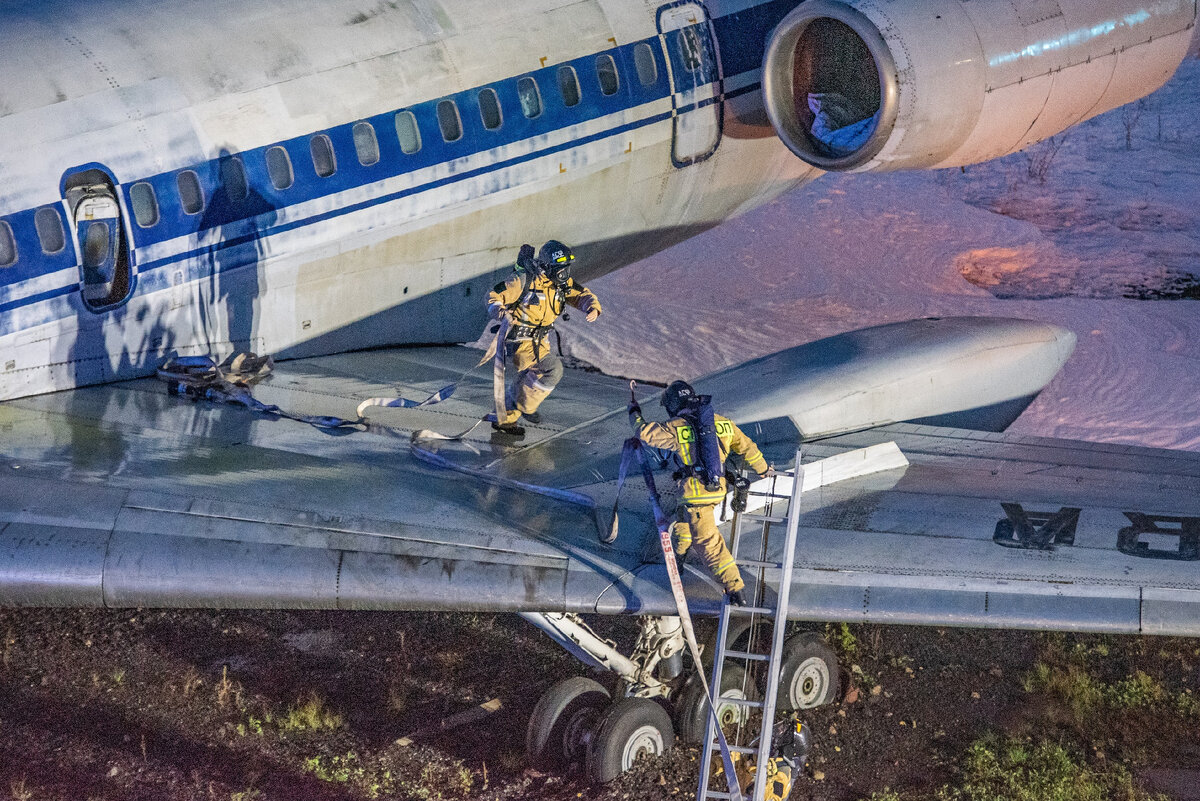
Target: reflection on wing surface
[(125, 496)]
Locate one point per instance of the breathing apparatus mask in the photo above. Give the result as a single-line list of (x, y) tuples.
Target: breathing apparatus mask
[(555, 259)]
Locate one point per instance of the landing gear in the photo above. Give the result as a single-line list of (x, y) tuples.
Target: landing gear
[(691, 707), (631, 729), (563, 722), (576, 722), (808, 673)]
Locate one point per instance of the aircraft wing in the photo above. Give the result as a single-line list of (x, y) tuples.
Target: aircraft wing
[(124, 495)]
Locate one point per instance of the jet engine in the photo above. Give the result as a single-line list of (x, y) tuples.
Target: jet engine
[(875, 85)]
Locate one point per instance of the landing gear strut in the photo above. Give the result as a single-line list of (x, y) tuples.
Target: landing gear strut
[(577, 722)]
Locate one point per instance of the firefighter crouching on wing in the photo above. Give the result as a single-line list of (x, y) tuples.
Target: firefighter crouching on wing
[(696, 522), (533, 297)]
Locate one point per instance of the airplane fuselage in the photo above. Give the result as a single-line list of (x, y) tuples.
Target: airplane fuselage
[(313, 177)]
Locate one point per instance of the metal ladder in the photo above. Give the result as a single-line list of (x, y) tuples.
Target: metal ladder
[(759, 608)]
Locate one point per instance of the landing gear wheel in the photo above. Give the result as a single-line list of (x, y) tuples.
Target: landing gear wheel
[(631, 728), (563, 721), (808, 674), (691, 708)]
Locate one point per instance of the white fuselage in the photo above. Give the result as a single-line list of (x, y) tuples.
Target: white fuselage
[(314, 176)]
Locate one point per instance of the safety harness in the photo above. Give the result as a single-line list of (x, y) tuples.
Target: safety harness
[(535, 333)]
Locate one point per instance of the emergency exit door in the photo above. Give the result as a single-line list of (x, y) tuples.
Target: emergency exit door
[(694, 70), (105, 272)]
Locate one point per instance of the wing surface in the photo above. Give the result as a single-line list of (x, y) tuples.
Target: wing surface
[(123, 495), (999, 530)]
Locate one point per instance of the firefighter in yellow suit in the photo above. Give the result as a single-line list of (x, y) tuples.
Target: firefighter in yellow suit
[(533, 297), (696, 521)]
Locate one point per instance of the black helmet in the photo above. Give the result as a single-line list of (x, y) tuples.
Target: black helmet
[(555, 252), (556, 259), (677, 396)]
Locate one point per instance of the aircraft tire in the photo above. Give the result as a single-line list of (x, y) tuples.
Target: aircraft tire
[(737, 638), (629, 729), (808, 673), (563, 721), (691, 708)]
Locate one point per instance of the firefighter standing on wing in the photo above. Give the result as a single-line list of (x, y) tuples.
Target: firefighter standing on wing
[(533, 297), (696, 522)]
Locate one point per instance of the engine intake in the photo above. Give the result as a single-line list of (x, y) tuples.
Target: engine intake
[(830, 85), (865, 85)]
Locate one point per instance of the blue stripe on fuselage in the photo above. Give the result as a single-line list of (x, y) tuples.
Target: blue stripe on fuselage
[(733, 32)]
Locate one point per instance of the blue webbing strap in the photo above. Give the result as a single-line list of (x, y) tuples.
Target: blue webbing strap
[(448, 390), (201, 378), (567, 496)]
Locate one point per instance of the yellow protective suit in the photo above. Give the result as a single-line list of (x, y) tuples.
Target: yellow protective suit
[(696, 521), (537, 364)]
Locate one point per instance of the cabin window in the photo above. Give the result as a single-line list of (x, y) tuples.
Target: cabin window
[(489, 109), (689, 49), (606, 73), (50, 230), (191, 196), (568, 86), (449, 121), (279, 168), (647, 67), (531, 98), (366, 145), (407, 133), (8, 246), (323, 159), (145, 204), (233, 179), (95, 244)]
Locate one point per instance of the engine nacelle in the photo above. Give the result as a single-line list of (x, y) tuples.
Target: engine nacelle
[(880, 85)]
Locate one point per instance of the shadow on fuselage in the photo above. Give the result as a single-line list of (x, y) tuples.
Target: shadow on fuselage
[(232, 228)]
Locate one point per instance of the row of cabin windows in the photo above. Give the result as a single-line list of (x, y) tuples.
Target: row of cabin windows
[(366, 143), (366, 146), (51, 235)]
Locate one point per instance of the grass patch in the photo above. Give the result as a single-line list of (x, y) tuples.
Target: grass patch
[(385, 777), (998, 768), (1004, 769), (1085, 695), (840, 637), (311, 714)]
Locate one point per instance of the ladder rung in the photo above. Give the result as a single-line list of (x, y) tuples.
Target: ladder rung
[(757, 563), (745, 655), (764, 518), (750, 610), (713, 745), (740, 702), (718, 794)]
